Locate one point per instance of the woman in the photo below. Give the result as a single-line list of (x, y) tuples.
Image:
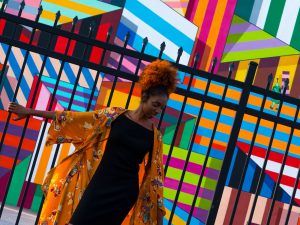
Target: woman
[(83, 191)]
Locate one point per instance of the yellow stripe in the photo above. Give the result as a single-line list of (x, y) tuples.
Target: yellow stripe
[(51, 16), (286, 63), (176, 219), (242, 70), (77, 7)]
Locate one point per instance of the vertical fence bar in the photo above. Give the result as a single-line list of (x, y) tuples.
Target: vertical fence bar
[(145, 42), (88, 108), (179, 54), (231, 144), (22, 5), (196, 59), (110, 30), (10, 114), (189, 154), (261, 175), (211, 139), (292, 197), (245, 167), (57, 147), (275, 192), (118, 69)]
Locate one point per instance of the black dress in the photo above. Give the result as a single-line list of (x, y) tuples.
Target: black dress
[(114, 188)]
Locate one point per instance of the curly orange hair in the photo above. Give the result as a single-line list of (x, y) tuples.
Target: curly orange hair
[(159, 73)]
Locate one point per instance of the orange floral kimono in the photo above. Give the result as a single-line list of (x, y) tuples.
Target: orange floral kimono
[(65, 184)]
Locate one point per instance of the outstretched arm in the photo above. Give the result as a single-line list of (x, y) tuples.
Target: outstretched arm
[(23, 112)]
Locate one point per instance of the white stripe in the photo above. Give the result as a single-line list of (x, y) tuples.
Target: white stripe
[(155, 38), (255, 11), (4, 99), (40, 152), (289, 190), (288, 21), (72, 149), (37, 60), (263, 13), (170, 16), (275, 167)]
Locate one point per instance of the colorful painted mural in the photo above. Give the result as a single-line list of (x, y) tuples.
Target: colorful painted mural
[(235, 31)]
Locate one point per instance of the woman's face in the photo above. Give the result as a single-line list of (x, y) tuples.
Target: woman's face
[(154, 105)]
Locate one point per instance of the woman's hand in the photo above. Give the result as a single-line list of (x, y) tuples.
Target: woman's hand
[(21, 111)]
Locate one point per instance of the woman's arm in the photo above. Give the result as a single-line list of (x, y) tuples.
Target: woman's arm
[(23, 112)]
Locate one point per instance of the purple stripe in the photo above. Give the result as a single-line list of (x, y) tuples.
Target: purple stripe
[(242, 28), (200, 214), (3, 171), (192, 167), (75, 102), (253, 45), (77, 93), (11, 152), (17, 131), (188, 188)]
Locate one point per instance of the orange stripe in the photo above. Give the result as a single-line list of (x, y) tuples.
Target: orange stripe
[(64, 152), (176, 97), (234, 94), (254, 100), (224, 128), (216, 89), (220, 143), (39, 177), (199, 15), (260, 139), (245, 134), (279, 144), (207, 123), (266, 123), (211, 107), (250, 119), (287, 110), (294, 149), (228, 112), (200, 84), (193, 102), (283, 128), (213, 34)]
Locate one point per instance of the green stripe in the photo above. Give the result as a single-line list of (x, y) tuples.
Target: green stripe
[(244, 8), (295, 42), (187, 198), (237, 20), (187, 133), (194, 157), (260, 53), (169, 134), (274, 16), (17, 182), (248, 36), (36, 202), (191, 178)]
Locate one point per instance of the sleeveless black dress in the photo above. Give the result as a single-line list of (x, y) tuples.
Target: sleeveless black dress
[(114, 188)]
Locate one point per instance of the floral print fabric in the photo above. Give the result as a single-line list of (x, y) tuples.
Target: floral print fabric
[(65, 184)]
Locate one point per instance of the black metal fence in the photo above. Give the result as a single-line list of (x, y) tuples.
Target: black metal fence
[(10, 36)]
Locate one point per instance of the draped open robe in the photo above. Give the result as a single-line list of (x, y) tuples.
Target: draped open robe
[(64, 185)]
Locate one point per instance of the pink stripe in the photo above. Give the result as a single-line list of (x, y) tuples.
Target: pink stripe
[(192, 167), (188, 188), (206, 26), (191, 9), (176, 5), (224, 29), (4, 99)]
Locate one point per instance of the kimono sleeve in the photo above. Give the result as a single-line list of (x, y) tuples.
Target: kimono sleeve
[(71, 127), (160, 191)]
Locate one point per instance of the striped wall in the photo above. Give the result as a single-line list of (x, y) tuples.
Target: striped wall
[(155, 20), (280, 18), (213, 19), (179, 6), (246, 41)]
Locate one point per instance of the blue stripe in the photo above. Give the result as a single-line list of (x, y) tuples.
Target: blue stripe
[(253, 106), (32, 66), (231, 166), (161, 26), (217, 83), (1, 105), (214, 153), (8, 89), (248, 126), (88, 77), (235, 88), (267, 187), (249, 176), (284, 116), (17, 70), (231, 100), (281, 136), (136, 42), (51, 71), (197, 90), (69, 72), (285, 197), (256, 95), (68, 95), (181, 213), (214, 95)]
